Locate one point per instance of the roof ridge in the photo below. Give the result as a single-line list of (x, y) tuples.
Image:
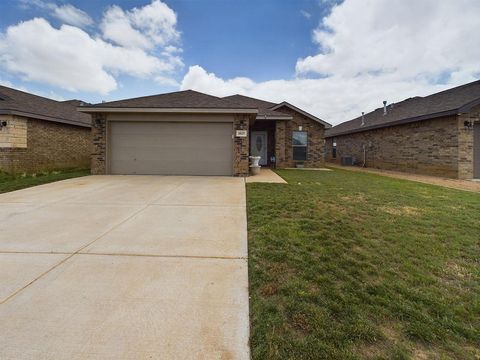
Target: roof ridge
[(250, 97), (227, 101), (452, 88), (146, 96)]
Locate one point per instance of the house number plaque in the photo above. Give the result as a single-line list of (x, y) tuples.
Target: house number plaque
[(241, 133)]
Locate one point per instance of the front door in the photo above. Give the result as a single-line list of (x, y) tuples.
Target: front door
[(258, 146), (476, 150)]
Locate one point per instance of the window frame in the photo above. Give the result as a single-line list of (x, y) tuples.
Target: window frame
[(300, 146)]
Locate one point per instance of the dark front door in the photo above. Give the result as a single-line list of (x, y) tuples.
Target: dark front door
[(258, 146), (476, 150)]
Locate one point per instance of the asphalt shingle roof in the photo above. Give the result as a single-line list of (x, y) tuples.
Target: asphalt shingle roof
[(418, 108), (262, 105), (17, 102), (180, 99)]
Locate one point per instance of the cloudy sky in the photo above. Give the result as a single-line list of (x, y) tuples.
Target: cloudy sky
[(332, 58)]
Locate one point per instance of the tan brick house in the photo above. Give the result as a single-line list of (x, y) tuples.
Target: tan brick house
[(39, 134), (435, 135), (191, 133)]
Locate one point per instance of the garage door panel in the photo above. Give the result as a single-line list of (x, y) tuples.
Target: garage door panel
[(171, 148)]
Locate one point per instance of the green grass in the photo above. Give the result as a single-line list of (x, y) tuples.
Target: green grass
[(15, 182), (347, 265)]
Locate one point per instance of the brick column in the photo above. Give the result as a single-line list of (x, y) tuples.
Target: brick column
[(240, 146), (280, 130), (465, 145), (99, 141)]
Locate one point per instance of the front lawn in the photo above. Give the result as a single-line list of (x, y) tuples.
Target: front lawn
[(15, 182), (347, 265)]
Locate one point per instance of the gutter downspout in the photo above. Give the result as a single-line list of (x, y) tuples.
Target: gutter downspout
[(364, 156)]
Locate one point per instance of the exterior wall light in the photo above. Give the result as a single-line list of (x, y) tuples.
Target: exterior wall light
[(468, 124)]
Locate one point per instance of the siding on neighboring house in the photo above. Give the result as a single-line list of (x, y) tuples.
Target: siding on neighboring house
[(32, 145)]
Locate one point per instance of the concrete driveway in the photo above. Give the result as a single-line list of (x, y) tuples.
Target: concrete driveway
[(125, 267)]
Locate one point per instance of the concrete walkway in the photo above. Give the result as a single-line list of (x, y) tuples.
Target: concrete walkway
[(125, 267), (265, 176), (432, 180)]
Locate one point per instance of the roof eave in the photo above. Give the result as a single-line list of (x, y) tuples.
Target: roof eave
[(43, 117), (99, 109), (467, 107)]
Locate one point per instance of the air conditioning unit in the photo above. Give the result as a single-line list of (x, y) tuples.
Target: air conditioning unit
[(348, 160)]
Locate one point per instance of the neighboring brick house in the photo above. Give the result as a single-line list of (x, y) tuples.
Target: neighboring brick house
[(191, 133), (40, 134), (435, 135)]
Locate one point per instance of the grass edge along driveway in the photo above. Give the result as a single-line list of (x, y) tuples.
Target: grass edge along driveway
[(346, 265), (9, 182)]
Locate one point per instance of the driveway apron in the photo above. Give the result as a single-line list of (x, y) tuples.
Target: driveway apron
[(125, 267)]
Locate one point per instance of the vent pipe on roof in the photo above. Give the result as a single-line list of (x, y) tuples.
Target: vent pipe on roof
[(363, 118), (384, 107)]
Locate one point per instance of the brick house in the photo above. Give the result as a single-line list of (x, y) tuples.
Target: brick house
[(435, 135), (40, 134), (191, 133)]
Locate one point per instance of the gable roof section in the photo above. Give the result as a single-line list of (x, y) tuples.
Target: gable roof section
[(264, 107), (304, 113), (16, 102), (188, 100), (448, 102)]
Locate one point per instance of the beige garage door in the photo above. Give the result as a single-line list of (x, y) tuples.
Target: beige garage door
[(170, 148)]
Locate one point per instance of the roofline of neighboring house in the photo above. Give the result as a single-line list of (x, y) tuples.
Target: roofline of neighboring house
[(293, 107), (463, 109), (105, 109), (43, 117), (395, 123)]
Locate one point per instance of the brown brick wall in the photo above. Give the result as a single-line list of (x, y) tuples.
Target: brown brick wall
[(284, 133), (466, 144), (99, 144), (426, 147), (50, 146), (280, 142), (241, 146)]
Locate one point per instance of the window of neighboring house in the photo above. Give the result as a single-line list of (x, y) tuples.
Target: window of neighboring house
[(334, 148), (300, 145)]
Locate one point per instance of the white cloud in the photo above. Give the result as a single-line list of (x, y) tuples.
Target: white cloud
[(305, 14), (144, 45), (145, 27), (70, 58), (66, 13), (69, 14), (116, 26), (371, 50)]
